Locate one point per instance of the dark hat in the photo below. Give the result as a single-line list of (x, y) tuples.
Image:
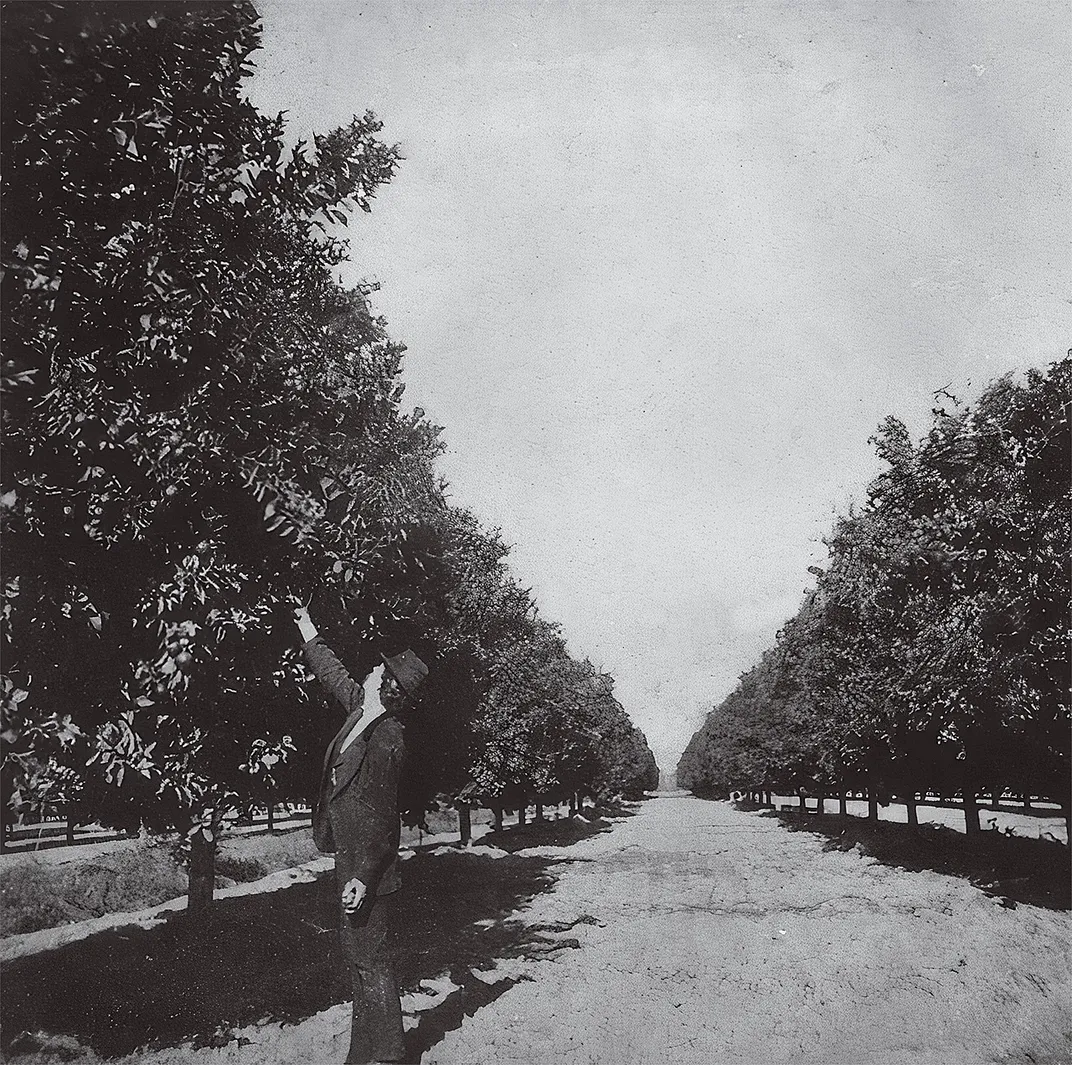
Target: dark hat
[(408, 670)]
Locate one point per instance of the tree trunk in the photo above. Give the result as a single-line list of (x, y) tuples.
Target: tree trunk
[(971, 812), (521, 815), (995, 800), (497, 817), (843, 803), (7, 825), (573, 804), (539, 810), (465, 825), (910, 806), (820, 804), (872, 805), (202, 873), (803, 802), (271, 816), (69, 828), (1066, 809), (968, 790), (1027, 802)]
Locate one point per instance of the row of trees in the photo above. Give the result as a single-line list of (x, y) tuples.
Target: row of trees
[(202, 427), (934, 653)]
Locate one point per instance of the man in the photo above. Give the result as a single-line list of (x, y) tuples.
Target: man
[(356, 818)]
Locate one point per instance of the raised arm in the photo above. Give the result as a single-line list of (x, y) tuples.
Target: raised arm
[(328, 669)]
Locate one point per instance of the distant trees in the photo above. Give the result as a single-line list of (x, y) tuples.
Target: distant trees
[(200, 426), (511, 713), (933, 654), (551, 726)]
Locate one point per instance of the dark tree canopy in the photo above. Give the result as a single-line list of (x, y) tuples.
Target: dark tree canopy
[(934, 652), (202, 427)]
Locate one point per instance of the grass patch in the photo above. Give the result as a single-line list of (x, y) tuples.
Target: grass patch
[(35, 895), (240, 870), (247, 858)]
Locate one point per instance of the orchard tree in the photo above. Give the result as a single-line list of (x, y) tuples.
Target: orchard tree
[(506, 712), (200, 425), (934, 651), (549, 725)]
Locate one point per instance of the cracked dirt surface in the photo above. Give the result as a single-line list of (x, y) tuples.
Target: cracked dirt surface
[(706, 935)]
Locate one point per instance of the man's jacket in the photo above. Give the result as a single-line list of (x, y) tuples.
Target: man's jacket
[(356, 812)]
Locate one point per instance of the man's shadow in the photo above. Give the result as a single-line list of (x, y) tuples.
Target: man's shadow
[(275, 957)]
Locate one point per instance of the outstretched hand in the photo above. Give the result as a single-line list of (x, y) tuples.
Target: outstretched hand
[(304, 623)]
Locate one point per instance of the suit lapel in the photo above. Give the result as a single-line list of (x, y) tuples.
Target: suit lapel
[(355, 756), (333, 748), (340, 736)]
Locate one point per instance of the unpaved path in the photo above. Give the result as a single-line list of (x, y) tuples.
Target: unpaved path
[(709, 935), (691, 933)]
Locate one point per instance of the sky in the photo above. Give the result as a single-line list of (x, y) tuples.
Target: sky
[(663, 267)]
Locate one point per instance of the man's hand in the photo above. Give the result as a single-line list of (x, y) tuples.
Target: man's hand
[(353, 895), (304, 623)]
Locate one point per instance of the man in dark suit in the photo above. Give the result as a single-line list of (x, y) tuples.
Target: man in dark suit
[(356, 818)]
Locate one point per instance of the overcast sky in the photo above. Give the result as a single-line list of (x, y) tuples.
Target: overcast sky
[(663, 267)]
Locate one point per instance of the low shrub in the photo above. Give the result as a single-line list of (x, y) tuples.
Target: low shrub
[(240, 870), (35, 894)]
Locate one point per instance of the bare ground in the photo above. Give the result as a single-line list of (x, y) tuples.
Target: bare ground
[(691, 932)]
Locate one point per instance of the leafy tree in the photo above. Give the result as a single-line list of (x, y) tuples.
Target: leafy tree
[(761, 737), (518, 716), (199, 422), (934, 652), (201, 425)]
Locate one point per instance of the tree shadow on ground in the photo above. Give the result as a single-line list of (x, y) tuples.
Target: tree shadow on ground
[(1042, 812), (1012, 868), (480, 945), (561, 833), (275, 957)]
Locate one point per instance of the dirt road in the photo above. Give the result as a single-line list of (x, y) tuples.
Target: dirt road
[(690, 933), (709, 935)]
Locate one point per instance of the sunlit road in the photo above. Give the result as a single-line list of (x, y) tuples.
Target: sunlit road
[(694, 932)]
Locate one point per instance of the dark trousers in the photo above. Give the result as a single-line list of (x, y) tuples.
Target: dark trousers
[(376, 1029)]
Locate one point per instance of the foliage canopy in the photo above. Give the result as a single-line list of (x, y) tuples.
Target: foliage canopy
[(202, 426)]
